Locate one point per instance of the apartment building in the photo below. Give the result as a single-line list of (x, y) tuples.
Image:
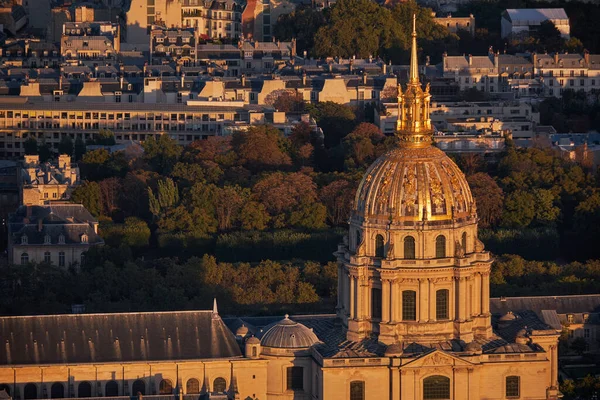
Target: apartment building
[(90, 43), (213, 19), (476, 119), (560, 72)]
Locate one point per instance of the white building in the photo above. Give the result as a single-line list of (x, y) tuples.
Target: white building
[(522, 21)]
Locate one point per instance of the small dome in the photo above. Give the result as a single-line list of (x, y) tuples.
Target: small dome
[(242, 331), (253, 340), (394, 350), (288, 334), (473, 347)]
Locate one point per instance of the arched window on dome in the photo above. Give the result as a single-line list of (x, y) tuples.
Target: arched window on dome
[(379, 248), (376, 303), (111, 389), (192, 386), (464, 242), (165, 387), (358, 239), (84, 389), (440, 246), (436, 387), (219, 385), (30, 391), (409, 248), (409, 305), (441, 304)]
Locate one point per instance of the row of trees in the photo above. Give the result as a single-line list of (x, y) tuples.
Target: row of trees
[(111, 280)]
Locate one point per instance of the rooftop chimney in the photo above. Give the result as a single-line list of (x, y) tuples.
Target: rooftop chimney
[(303, 78), (243, 79), (470, 59)]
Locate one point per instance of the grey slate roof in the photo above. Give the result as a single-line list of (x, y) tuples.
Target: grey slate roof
[(562, 304), (80, 338), (288, 334)]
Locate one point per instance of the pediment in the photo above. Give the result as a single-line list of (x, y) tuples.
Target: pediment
[(438, 358)]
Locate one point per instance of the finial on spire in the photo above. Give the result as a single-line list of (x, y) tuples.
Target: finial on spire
[(414, 63), (215, 310)]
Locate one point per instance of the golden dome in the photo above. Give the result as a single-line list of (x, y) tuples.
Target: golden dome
[(417, 181), (414, 184)]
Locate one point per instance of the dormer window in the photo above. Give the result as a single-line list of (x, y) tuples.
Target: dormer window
[(84, 238), (24, 239), (586, 317), (61, 239), (570, 318), (47, 239)]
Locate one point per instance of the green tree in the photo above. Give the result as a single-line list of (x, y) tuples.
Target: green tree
[(488, 198), (262, 147), (301, 24), (162, 154), (519, 209), (254, 216), (136, 232), (90, 196), (336, 120)]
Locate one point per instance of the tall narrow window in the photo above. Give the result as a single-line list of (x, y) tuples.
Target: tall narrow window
[(47, 257), (379, 246), (441, 304), (111, 389), (24, 258), (409, 248), (376, 303), (357, 390), (358, 238), (295, 378), (84, 390), (409, 305), (464, 242), (61, 258), (436, 387), (440, 246), (513, 386)]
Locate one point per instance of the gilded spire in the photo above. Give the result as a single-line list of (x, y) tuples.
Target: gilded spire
[(414, 126), (414, 62)]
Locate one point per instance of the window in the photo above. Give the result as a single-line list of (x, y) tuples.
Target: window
[(586, 317), (295, 378), (440, 246), (192, 386), (165, 387), (24, 258), (24, 239), (409, 305), (84, 238), (47, 239), (47, 257), (376, 303), (357, 390), (61, 239), (409, 248), (441, 304), (111, 389), (57, 391), (436, 387), (464, 242), (61, 259), (30, 391), (512, 386), (570, 318), (84, 390), (379, 246), (219, 385), (586, 333), (138, 387)]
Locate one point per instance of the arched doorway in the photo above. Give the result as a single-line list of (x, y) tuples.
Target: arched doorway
[(111, 389), (30, 391), (138, 387), (219, 385), (84, 390), (57, 391)]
